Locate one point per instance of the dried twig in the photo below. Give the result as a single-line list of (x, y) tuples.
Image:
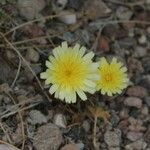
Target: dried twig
[(27, 64), (6, 133), (21, 120), (32, 21), (21, 109), (17, 74), (94, 133), (13, 147)]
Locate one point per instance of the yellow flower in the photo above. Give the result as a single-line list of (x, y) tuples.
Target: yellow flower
[(113, 77), (70, 72)]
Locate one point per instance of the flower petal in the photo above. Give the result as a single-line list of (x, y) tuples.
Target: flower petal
[(81, 95)]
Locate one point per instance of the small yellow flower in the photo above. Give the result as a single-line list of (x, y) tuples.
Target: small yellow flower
[(70, 71), (113, 77)]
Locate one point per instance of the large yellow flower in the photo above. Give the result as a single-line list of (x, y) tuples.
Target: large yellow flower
[(70, 71), (113, 77)]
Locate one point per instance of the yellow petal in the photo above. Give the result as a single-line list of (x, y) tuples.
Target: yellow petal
[(81, 95), (53, 88)]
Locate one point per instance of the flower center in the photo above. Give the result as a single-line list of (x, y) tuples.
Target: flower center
[(108, 77), (68, 73)]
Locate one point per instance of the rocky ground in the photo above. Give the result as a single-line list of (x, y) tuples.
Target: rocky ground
[(30, 118)]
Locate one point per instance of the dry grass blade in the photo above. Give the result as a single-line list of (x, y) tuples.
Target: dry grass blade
[(32, 21), (98, 112), (27, 64), (13, 147)]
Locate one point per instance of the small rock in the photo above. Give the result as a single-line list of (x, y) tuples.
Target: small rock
[(124, 13), (137, 91), (147, 135), (140, 51), (137, 145), (7, 72), (114, 119), (60, 120), (59, 5), (147, 100), (142, 40), (135, 125), (33, 31), (146, 64), (75, 4), (133, 102), (30, 8), (103, 44), (95, 9), (68, 17), (32, 55), (127, 42), (145, 110), (5, 147), (86, 125), (133, 136), (36, 68), (113, 138), (134, 66), (5, 88), (124, 113), (70, 147), (48, 137), (80, 146), (123, 126), (36, 117), (17, 136)]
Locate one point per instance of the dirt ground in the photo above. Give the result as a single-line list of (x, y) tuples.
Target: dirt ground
[(31, 118)]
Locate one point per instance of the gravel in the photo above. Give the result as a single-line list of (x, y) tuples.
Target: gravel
[(48, 137), (113, 138)]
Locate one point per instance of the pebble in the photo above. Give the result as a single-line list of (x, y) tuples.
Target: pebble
[(113, 138), (142, 39), (59, 5), (103, 44), (68, 17), (147, 100), (133, 136), (137, 91), (127, 42), (70, 147), (146, 65), (144, 81), (95, 9), (145, 110), (140, 51), (36, 117), (80, 146), (133, 102), (30, 8), (60, 120), (32, 55), (48, 137), (124, 13), (86, 125), (5, 147), (75, 4), (137, 145), (124, 113)]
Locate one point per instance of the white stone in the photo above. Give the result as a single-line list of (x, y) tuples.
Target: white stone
[(60, 120), (68, 17)]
